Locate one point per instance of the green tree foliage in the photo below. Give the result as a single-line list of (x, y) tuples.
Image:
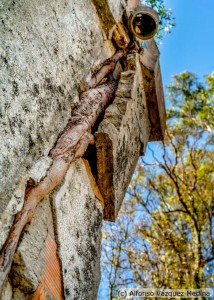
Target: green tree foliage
[(164, 237)]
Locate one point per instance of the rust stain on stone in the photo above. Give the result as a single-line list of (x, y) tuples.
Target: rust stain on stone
[(105, 15), (40, 293), (50, 286)]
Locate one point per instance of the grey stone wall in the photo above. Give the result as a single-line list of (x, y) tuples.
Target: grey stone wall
[(48, 53), (78, 225), (48, 50)]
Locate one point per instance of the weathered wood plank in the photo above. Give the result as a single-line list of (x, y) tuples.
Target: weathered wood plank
[(149, 58), (152, 84), (120, 138), (150, 54)]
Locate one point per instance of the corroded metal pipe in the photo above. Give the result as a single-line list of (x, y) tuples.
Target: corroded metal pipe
[(143, 20)]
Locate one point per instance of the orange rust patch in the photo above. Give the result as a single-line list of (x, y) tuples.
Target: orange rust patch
[(40, 293), (50, 283)]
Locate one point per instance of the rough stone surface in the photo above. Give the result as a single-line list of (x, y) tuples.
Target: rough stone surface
[(36, 270), (28, 264), (18, 295), (35, 174), (13, 207), (38, 171), (121, 137), (78, 219), (48, 53), (116, 8), (50, 285), (7, 292), (107, 15), (48, 50)]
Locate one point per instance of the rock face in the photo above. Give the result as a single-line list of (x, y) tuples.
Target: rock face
[(49, 51), (78, 216), (31, 257)]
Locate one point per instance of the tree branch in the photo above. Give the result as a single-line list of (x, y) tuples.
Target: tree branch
[(108, 67), (71, 145)]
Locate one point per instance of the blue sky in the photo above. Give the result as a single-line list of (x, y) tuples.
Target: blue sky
[(190, 46)]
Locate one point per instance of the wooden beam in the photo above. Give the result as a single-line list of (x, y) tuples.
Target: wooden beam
[(150, 54), (149, 58)]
